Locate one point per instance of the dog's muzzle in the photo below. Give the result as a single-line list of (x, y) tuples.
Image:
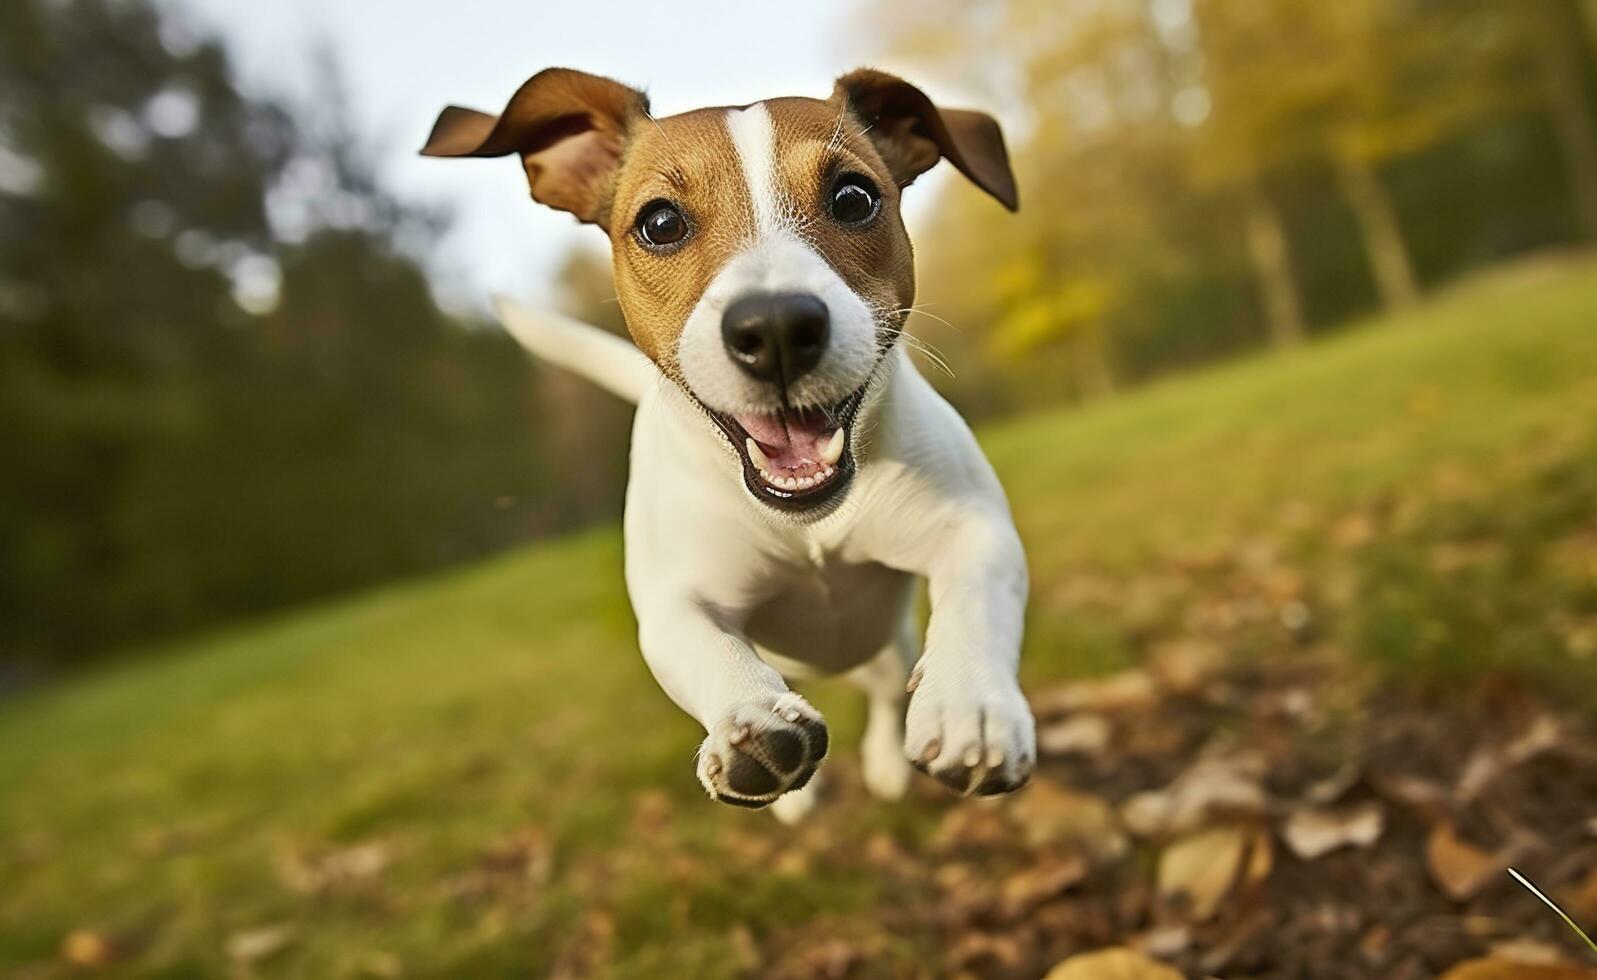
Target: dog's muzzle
[(797, 456)]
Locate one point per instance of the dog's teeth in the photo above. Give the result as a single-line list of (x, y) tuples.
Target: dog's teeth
[(834, 448), (806, 482), (791, 483), (756, 455)]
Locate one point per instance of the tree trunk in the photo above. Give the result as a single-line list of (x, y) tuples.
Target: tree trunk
[(1383, 235), (1590, 7), (1271, 255), (1564, 83)]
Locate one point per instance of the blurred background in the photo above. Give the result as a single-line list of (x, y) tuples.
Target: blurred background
[(314, 657)]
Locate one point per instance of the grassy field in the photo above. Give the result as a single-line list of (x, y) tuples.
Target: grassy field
[(474, 775)]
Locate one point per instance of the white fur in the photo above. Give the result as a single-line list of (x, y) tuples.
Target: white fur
[(775, 259), (754, 138)]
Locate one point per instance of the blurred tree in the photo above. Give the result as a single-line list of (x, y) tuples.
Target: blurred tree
[(1550, 32), (1260, 72), (224, 384)]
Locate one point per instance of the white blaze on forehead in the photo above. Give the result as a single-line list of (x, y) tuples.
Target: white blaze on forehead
[(777, 258), (755, 140)]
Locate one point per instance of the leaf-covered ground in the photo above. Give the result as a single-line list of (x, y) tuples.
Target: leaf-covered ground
[(1313, 647)]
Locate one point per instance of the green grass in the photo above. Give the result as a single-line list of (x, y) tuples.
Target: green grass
[(166, 802)]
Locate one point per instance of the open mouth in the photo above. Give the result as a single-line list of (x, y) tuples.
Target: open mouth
[(796, 458)]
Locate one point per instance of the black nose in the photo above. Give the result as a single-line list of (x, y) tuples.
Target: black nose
[(776, 337)]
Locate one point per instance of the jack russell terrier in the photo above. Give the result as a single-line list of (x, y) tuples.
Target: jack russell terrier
[(793, 476)]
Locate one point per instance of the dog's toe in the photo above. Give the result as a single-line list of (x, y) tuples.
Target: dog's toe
[(976, 746), (763, 750)]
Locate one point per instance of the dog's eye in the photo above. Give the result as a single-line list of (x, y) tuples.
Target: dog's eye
[(855, 200), (661, 224)]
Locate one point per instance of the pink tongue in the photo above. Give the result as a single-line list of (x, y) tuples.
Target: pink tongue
[(790, 440)]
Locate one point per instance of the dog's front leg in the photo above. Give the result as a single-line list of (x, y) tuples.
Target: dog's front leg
[(761, 739), (968, 723)]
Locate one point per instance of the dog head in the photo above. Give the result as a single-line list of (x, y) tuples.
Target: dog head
[(760, 257)]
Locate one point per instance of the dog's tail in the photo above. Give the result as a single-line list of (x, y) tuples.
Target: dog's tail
[(608, 361)]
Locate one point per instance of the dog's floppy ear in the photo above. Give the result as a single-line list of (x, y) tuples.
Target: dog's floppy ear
[(569, 128), (912, 134)]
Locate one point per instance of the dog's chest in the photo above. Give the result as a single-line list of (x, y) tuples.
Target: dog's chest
[(829, 614)]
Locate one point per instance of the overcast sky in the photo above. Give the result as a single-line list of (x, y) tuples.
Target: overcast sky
[(405, 59)]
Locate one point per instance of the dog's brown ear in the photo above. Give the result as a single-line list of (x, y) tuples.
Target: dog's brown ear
[(912, 134), (569, 128)]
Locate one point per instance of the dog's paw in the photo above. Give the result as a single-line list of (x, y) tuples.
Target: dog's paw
[(975, 741), (761, 750)]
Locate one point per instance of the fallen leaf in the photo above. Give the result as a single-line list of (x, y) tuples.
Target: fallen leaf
[(986, 953), (1314, 833), (91, 949), (309, 871), (1496, 968), (1023, 892), (1201, 870), (1580, 899), (1461, 869), (1220, 786), (1487, 764), (254, 945), (1529, 951), (1077, 735), (1047, 813), (1184, 665), (1112, 964), (1426, 798), (1165, 942)]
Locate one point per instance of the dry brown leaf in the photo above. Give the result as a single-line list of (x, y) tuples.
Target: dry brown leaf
[(986, 953), (1165, 942), (1202, 869), (1112, 964), (1213, 787), (1184, 665), (1580, 899), (1077, 735), (90, 949), (1023, 892), (1459, 868), (254, 945), (1314, 833), (1426, 798), (1486, 765), (1496, 968), (311, 872), (1529, 951), (1047, 813)]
